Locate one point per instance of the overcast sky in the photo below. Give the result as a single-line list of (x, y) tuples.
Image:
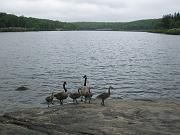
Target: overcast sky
[(91, 10)]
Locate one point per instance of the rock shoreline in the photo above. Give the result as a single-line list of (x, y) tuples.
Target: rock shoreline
[(118, 117)]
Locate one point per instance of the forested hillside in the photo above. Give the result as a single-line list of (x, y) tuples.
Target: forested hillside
[(169, 24), (10, 22), (140, 25)]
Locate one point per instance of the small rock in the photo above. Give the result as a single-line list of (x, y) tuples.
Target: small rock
[(22, 88)]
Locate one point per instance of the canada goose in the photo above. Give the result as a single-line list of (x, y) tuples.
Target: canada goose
[(62, 95), (104, 96), (49, 99), (75, 95), (88, 95), (84, 89)]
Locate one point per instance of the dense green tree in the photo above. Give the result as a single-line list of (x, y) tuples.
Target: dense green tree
[(171, 21)]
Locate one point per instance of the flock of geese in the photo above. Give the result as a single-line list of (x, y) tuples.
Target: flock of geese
[(83, 92)]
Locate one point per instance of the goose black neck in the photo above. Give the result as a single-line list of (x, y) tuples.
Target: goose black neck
[(64, 87), (85, 81)]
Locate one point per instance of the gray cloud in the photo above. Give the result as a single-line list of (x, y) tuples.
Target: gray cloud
[(91, 10)]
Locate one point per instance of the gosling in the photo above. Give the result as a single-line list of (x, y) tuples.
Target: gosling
[(49, 99), (75, 96), (62, 95), (105, 95)]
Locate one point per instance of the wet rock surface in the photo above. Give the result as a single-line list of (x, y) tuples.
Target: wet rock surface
[(118, 117)]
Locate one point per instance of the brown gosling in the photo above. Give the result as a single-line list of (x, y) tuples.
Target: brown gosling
[(104, 96), (84, 89), (62, 95), (49, 99), (75, 96)]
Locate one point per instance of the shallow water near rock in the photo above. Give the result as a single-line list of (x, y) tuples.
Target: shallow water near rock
[(137, 64)]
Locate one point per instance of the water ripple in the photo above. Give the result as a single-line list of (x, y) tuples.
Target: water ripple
[(137, 65)]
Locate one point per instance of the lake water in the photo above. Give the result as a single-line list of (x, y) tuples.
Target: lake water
[(136, 64)]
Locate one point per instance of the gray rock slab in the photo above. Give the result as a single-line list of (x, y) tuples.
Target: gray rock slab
[(118, 117)]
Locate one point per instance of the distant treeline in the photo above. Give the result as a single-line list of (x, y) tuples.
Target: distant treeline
[(141, 25), (167, 24), (13, 23)]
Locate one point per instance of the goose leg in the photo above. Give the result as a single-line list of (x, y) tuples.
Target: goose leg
[(74, 101), (102, 103), (60, 102), (81, 98), (85, 100), (89, 100)]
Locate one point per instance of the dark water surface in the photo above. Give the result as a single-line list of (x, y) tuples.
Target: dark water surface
[(137, 65)]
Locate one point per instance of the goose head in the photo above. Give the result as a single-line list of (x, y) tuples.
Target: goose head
[(64, 83), (85, 76)]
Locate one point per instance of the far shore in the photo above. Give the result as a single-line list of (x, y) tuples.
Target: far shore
[(175, 31)]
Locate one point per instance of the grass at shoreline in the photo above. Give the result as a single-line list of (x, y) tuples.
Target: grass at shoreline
[(175, 31)]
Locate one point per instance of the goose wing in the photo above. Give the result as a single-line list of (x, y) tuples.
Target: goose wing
[(103, 96), (58, 94)]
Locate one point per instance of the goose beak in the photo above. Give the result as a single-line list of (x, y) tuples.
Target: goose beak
[(111, 87)]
